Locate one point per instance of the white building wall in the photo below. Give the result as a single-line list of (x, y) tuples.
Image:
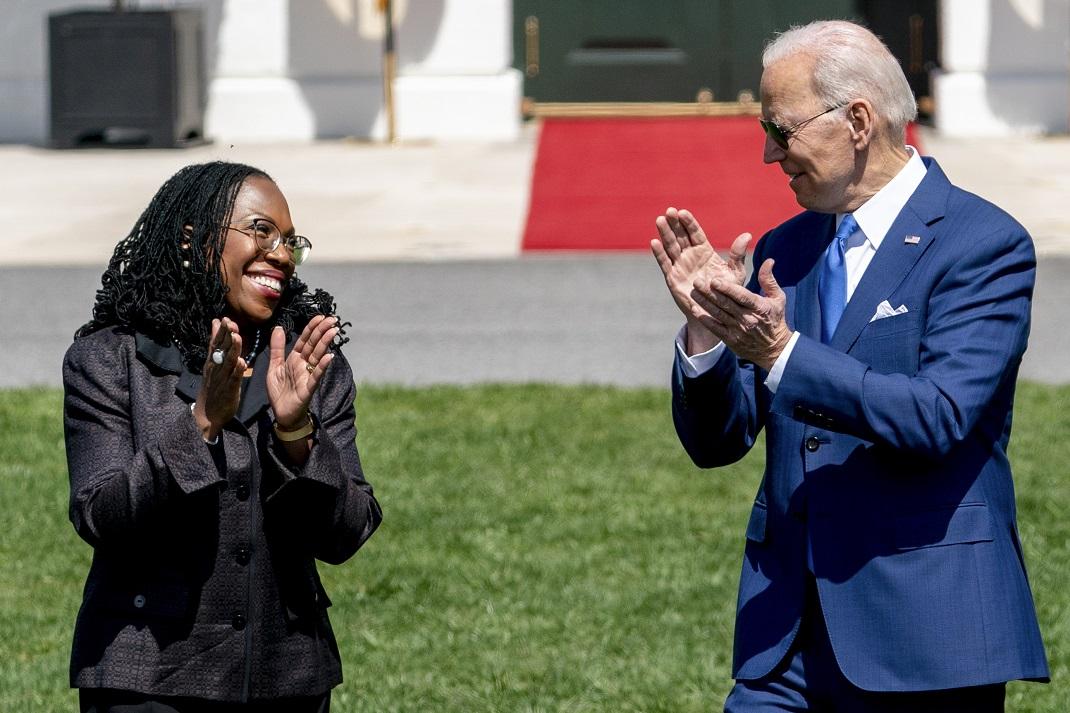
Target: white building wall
[(285, 70), (305, 69), (1006, 67)]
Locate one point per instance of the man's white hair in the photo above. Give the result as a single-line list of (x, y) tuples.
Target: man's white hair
[(850, 62)]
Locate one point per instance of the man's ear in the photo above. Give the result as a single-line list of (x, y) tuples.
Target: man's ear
[(863, 122)]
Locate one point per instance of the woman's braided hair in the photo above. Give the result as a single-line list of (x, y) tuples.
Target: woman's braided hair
[(165, 278)]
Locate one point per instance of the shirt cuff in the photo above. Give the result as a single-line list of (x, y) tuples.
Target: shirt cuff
[(772, 380), (695, 365)]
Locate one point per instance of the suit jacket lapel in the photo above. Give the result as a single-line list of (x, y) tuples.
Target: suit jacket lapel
[(254, 396), (168, 358), (807, 313), (165, 356), (896, 256), (890, 265)]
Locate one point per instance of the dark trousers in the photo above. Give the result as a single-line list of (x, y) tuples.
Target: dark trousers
[(809, 679), (103, 700)]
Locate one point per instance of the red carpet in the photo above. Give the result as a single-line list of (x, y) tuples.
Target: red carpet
[(598, 184)]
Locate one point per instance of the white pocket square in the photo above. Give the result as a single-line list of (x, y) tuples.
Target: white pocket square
[(884, 309)]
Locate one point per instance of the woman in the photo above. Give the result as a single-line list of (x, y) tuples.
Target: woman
[(210, 432)]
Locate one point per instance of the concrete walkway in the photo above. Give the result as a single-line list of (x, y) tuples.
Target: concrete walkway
[(420, 246), (355, 201), (360, 201)]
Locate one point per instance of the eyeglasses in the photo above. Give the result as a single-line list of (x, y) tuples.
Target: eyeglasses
[(268, 237), (782, 135)]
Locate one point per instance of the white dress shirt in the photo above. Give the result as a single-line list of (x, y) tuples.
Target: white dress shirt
[(875, 218)]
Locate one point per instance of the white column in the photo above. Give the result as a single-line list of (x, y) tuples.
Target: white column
[(455, 80), (1006, 67), (305, 69), (251, 95)]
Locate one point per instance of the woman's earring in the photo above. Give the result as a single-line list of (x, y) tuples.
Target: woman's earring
[(185, 263)]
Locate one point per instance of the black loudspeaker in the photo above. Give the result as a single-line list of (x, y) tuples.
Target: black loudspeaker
[(126, 78)]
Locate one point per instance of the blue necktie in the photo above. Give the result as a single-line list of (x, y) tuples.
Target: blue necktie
[(832, 291)]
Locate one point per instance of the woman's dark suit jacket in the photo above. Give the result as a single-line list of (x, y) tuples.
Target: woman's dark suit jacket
[(203, 580)]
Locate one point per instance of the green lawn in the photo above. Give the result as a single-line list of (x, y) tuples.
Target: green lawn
[(544, 549)]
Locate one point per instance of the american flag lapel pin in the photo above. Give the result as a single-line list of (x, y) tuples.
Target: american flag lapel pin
[(912, 239)]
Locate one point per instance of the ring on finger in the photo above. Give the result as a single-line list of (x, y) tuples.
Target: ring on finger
[(310, 367), (217, 356)]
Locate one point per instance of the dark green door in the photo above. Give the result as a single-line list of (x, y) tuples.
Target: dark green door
[(750, 24), (909, 29), (615, 50), (645, 51)]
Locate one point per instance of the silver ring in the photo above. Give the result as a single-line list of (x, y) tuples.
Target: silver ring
[(217, 356)]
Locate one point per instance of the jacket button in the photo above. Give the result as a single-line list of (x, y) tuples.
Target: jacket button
[(243, 555), (242, 492), (238, 621), (812, 444), (139, 601)]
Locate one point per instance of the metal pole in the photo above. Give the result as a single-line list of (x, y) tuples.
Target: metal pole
[(390, 67)]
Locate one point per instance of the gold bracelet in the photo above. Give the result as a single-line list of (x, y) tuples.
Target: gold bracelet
[(295, 435)]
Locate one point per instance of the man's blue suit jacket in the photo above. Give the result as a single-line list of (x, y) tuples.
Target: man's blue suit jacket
[(888, 447)]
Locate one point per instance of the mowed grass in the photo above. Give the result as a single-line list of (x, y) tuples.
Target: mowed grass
[(544, 549)]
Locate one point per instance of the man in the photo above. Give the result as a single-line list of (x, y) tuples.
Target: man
[(882, 569)]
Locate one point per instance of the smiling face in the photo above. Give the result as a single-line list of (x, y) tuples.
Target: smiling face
[(820, 158), (256, 279)]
